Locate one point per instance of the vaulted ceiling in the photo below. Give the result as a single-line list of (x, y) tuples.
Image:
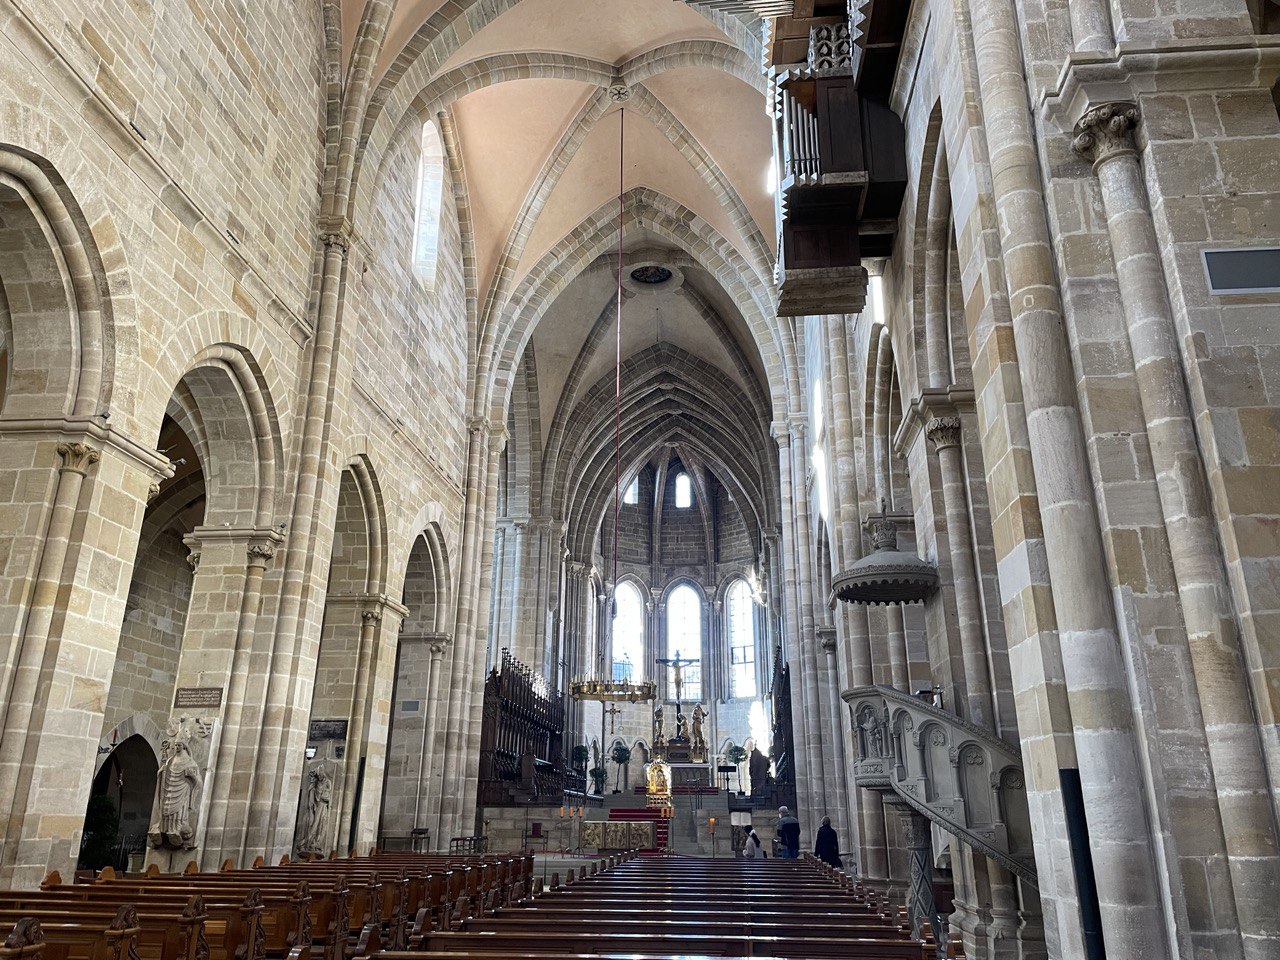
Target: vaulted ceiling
[(530, 93)]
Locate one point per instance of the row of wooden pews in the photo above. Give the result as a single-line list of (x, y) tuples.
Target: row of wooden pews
[(335, 909), (684, 907)]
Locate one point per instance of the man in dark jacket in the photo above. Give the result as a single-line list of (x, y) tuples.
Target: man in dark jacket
[(827, 847), (788, 834)]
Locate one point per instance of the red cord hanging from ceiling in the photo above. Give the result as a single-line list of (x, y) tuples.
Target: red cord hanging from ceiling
[(617, 370)]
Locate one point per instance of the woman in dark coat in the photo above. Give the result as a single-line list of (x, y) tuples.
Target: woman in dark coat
[(827, 847)]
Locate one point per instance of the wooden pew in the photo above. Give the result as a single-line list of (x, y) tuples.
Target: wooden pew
[(103, 933)]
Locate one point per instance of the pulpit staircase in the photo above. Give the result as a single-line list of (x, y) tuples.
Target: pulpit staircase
[(958, 775)]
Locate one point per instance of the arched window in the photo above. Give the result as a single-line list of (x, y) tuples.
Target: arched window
[(427, 205), (742, 639), (684, 637), (632, 496), (628, 634), (684, 491)]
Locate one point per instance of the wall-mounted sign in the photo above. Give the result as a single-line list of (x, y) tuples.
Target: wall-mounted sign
[(198, 698), (320, 730)]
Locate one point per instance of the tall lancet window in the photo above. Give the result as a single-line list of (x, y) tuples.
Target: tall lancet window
[(684, 636), (427, 205), (684, 491), (742, 639), (628, 634)]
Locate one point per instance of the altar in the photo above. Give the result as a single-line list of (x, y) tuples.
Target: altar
[(690, 774)]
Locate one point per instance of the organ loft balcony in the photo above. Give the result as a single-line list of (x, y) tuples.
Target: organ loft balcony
[(839, 152)]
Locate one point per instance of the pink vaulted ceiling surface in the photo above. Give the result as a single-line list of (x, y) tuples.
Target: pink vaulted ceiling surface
[(741, 147), (608, 30), (507, 132), (592, 180)]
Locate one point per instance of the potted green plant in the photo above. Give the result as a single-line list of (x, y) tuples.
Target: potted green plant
[(621, 755), (598, 777), (581, 754), (736, 755)]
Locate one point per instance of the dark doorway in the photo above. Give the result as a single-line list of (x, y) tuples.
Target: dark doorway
[(115, 822)]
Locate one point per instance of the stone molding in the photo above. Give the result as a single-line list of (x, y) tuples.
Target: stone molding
[(929, 403), (378, 601), (1106, 132), (92, 430), (1135, 68)]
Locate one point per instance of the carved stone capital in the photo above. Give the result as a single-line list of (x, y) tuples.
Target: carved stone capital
[(153, 491), (193, 560), (1106, 131), (78, 457), (261, 553), (943, 432), (371, 617), (337, 232)]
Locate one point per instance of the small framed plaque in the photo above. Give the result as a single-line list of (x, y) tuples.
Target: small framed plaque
[(321, 730), (197, 698)]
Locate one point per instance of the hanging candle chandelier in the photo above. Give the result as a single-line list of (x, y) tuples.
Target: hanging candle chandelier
[(600, 686)]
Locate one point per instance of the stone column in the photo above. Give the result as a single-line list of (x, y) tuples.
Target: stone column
[(71, 518), (519, 636), (429, 785), (871, 841), (1105, 135), (895, 640), (715, 681), (466, 813), (225, 788), (226, 592), (833, 757), (465, 627), (973, 695), (918, 836), (1129, 887)]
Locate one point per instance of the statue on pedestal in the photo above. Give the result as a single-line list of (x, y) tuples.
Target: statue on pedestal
[(682, 725), (699, 715), (657, 725)]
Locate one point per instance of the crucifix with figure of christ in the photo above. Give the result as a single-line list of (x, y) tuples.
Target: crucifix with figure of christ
[(677, 664)]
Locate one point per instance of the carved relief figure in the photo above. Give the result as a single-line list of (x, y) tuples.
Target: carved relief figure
[(177, 802), (315, 826), (871, 741)]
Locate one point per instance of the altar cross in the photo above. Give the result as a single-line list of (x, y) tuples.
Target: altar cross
[(678, 663)]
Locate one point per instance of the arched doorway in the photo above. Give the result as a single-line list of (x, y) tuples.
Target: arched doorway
[(119, 806)]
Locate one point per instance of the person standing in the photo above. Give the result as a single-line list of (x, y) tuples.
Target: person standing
[(752, 849), (827, 846), (788, 834)]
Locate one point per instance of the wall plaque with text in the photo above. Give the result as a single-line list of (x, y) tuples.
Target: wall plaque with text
[(197, 698), (320, 730)]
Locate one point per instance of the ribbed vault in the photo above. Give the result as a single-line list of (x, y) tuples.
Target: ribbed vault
[(671, 399)]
